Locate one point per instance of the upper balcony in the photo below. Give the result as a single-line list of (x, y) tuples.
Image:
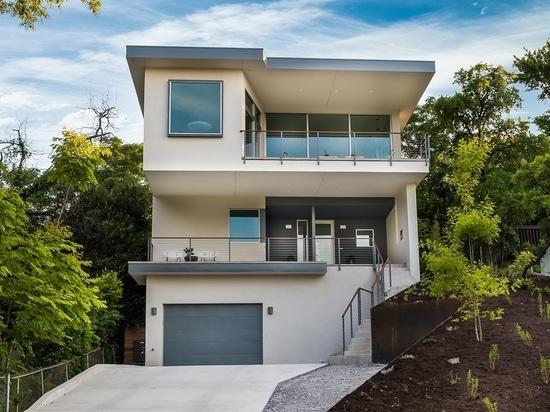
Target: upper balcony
[(295, 145)]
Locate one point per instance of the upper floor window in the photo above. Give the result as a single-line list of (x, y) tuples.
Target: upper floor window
[(195, 108), (332, 135)]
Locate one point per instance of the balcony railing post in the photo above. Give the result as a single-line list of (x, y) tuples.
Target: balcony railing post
[(282, 148), (427, 149), (338, 248)]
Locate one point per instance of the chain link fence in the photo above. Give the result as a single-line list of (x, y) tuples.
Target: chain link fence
[(19, 392)]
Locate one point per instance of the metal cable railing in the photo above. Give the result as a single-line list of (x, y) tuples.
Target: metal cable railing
[(335, 251), (292, 145), (19, 392), (356, 311)]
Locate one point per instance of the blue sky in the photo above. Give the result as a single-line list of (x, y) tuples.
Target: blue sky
[(48, 75)]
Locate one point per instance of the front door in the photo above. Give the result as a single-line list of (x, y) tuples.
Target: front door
[(302, 241), (324, 241)]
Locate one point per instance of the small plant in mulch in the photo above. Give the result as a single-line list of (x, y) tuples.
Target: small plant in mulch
[(429, 340), (545, 369), (493, 356), (472, 384), (544, 308), (524, 335), (454, 378), (490, 406)]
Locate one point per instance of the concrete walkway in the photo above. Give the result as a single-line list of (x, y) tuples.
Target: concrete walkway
[(170, 388)]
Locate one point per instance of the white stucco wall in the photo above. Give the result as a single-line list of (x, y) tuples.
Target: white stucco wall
[(403, 218), (188, 153), (306, 326), (198, 215)]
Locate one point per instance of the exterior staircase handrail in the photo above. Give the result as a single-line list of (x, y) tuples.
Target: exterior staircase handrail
[(349, 312)]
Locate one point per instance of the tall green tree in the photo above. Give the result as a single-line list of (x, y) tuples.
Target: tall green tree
[(31, 12), (533, 70), (534, 73), (481, 111), (74, 161), (534, 180), (112, 221), (470, 223), (45, 293)]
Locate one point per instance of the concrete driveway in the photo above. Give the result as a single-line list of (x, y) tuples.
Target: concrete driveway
[(170, 388)]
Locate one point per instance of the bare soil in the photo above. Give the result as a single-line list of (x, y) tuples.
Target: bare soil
[(425, 379)]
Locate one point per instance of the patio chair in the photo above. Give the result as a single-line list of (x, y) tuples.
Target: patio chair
[(208, 256), (173, 255)]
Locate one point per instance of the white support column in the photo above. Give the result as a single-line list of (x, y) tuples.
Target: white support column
[(412, 229)]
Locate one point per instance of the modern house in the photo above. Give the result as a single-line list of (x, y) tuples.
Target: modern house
[(291, 182)]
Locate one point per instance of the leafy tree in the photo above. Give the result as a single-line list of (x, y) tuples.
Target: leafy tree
[(112, 220), (534, 73), (31, 12), (453, 273), (471, 284), (480, 111), (534, 70), (534, 180), (471, 221), (45, 294), (74, 161)]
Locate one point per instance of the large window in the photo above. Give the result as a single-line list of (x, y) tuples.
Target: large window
[(195, 108), (244, 225), (328, 135)]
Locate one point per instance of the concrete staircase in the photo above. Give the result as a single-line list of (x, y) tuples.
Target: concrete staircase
[(359, 350), (401, 279)]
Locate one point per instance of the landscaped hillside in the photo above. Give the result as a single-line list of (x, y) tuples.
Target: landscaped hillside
[(433, 375)]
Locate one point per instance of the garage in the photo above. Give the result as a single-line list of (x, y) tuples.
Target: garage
[(213, 334)]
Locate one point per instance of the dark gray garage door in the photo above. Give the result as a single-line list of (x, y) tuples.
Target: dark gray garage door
[(212, 335)]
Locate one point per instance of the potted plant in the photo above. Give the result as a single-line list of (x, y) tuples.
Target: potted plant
[(189, 255)]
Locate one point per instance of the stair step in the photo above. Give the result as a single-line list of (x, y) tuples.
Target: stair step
[(363, 340), (350, 360), (357, 352)]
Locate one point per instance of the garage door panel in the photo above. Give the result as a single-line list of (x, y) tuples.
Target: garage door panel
[(213, 334), (230, 335), (213, 348), (209, 323)]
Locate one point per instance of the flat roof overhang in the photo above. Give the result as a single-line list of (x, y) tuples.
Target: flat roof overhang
[(387, 181), (287, 85), (140, 270)]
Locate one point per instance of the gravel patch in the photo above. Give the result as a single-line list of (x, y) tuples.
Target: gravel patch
[(319, 390)]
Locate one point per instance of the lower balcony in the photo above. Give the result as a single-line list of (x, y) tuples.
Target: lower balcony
[(331, 250), (253, 256)]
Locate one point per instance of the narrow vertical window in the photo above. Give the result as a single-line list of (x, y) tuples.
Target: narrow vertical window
[(253, 127), (195, 108)]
